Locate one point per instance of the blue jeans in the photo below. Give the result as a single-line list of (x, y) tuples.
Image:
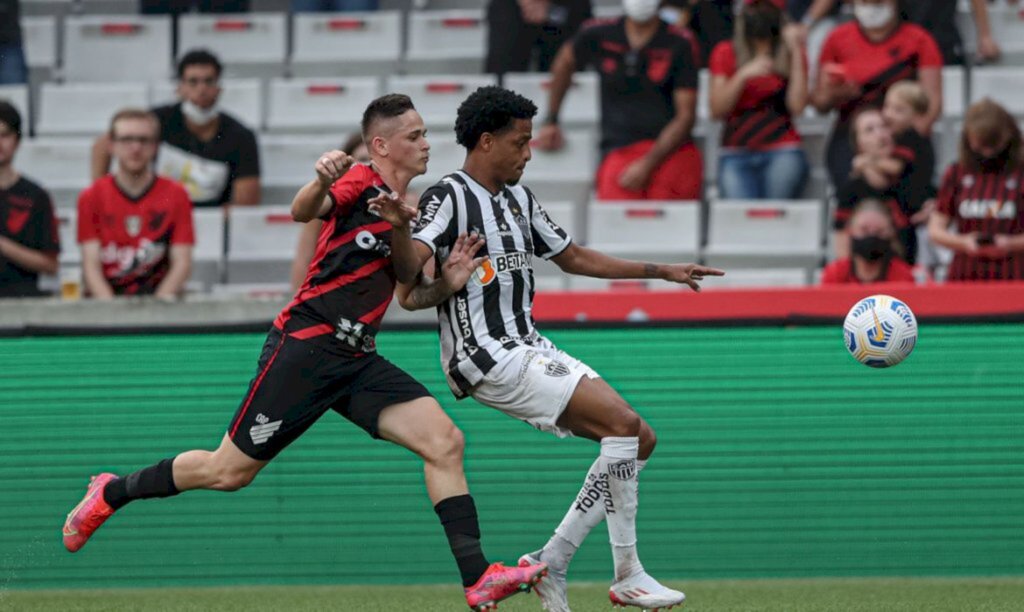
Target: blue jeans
[(13, 70), (330, 6), (756, 175)]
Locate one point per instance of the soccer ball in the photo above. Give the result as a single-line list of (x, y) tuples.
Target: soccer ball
[(880, 331)]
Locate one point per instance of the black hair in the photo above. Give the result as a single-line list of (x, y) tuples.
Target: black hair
[(385, 107), (490, 109), (10, 116), (198, 57)]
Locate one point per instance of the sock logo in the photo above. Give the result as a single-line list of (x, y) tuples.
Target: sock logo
[(623, 470), (594, 491)]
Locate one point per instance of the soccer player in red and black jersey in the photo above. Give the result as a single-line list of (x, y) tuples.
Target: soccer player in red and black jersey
[(758, 84), (648, 71), (983, 194), (861, 60), (29, 245), (135, 227), (320, 355)]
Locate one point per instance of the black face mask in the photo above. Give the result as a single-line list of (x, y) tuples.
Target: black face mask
[(762, 24), (871, 248), (992, 164)]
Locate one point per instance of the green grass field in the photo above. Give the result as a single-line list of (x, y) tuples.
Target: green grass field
[(847, 595)]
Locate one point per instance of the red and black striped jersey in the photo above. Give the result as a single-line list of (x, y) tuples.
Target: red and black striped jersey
[(350, 281), (135, 233), (877, 66), (989, 203), (760, 120)]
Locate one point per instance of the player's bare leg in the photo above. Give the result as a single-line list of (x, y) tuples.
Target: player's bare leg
[(598, 412), (225, 469), (423, 427)]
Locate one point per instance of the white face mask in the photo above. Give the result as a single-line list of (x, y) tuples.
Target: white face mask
[(873, 16), (671, 16), (199, 116), (640, 10)]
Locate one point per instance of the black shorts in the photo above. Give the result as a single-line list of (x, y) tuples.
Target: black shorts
[(299, 380)]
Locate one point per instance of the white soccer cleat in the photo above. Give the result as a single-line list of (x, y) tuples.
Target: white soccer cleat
[(552, 590), (642, 591)]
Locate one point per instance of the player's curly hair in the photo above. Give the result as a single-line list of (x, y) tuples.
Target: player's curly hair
[(490, 109)]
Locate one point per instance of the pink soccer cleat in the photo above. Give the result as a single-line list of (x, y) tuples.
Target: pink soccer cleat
[(500, 582), (89, 514)]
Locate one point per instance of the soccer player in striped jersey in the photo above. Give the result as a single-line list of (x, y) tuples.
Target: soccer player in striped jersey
[(491, 351), (321, 355)]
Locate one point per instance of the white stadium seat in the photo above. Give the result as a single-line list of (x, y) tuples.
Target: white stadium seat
[(82, 109), (954, 91), (286, 162), (67, 230), (208, 254), (757, 277), (437, 97), (663, 231), (566, 174), (446, 156), (342, 44), (61, 165), (39, 37), (581, 106), (261, 244), (242, 98), (454, 40), (1002, 84), (1007, 26), (765, 233), (117, 48), (17, 96), (247, 44), (333, 104)]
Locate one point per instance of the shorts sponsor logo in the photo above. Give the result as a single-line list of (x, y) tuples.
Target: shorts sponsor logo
[(556, 369), (262, 432), (623, 470)]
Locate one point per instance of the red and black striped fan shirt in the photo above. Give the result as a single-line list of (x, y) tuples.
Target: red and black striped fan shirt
[(989, 203), (350, 280)]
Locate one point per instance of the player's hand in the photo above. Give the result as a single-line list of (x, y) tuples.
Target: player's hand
[(331, 166), (462, 262), (689, 274), (986, 251), (392, 208), (636, 176), (549, 138)]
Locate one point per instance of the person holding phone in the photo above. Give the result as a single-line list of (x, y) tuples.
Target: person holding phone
[(983, 194)]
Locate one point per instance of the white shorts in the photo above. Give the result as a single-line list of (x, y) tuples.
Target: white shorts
[(534, 384)]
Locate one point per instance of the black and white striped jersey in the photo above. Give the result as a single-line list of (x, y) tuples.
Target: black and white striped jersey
[(494, 311)]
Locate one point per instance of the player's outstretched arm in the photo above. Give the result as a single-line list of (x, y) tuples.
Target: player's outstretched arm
[(311, 201), (428, 291), (392, 208), (587, 262)]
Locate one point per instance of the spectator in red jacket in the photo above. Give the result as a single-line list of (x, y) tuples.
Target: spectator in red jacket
[(874, 250)]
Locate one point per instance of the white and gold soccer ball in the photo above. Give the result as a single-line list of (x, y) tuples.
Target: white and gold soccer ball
[(880, 331)]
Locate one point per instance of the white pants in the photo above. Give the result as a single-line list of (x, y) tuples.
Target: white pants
[(534, 384)]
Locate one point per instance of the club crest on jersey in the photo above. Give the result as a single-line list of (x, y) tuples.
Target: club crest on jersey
[(968, 181), (622, 470), (507, 262), (133, 225), (556, 369)]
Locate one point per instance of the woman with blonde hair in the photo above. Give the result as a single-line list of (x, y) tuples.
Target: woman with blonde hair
[(982, 195)]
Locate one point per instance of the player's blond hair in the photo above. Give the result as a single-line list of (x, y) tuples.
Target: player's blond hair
[(912, 94), (135, 113)]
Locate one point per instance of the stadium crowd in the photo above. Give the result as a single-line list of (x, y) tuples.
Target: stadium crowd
[(875, 66)]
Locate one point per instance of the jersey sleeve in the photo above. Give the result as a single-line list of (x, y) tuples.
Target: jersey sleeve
[(945, 203), (88, 217), (685, 64), (184, 230), (549, 239), (930, 55), (723, 60), (436, 224), (584, 44), (248, 155), (345, 191)]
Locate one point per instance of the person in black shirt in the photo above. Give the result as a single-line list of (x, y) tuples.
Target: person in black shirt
[(28, 229), (648, 75), (205, 149), (525, 35), (939, 18)]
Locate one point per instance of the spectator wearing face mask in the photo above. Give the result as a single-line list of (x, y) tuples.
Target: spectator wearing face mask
[(874, 250), (983, 196), (758, 84), (208, 151), (648, 75), (861, 60)]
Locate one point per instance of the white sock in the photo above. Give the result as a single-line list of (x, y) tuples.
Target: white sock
[(583, 515), (618, 458)]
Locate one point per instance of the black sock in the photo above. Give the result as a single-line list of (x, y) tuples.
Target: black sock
[(458, 517), (154, 481)]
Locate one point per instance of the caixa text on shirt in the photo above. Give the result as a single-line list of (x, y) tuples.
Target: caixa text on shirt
[(357, 335), (987, 209)]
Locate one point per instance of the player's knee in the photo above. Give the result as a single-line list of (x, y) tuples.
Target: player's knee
[(626, 423), (233, 480), (445, 447), (648, 440)]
